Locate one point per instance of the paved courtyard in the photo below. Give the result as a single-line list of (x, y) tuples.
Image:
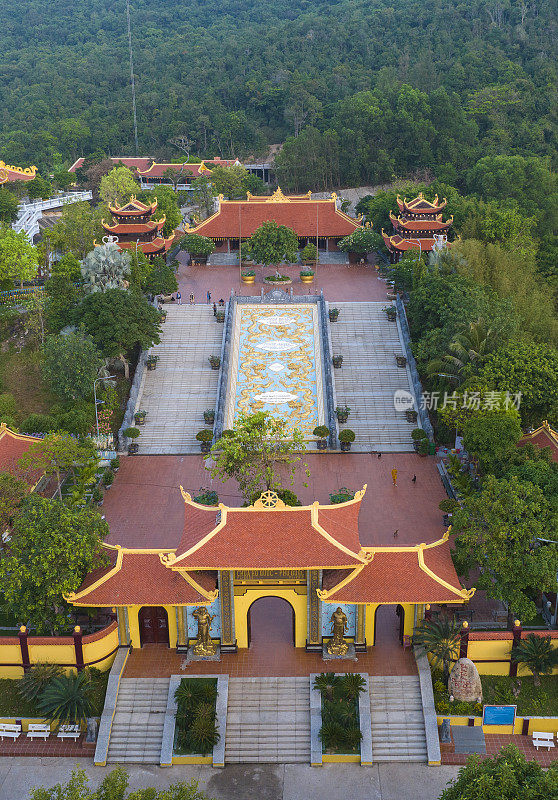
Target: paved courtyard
[(241, 782), (144, 507)]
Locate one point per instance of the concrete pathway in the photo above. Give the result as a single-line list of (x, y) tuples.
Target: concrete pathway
[(369, 377), (244, 782)]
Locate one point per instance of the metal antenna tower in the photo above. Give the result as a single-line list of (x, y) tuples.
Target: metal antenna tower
[(132, 81)]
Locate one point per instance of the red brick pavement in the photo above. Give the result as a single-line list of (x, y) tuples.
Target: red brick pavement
[(339, 282), (495, 742), (51, 747), (144, 507)]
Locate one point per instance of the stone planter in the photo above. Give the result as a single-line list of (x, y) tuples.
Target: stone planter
[(209, 417), (321, 444), (205, 447), (220, 316), (133, 448), (411, 415), (151, 365), (286, 282), (342, 418), (345, 446), (401, 361), (139, 419), (307, 278), (337, 361), (333, 314), (391, 316), (248, 279)]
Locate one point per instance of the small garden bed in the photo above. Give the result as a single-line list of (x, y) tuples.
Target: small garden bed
[(340, 732), (278, 279), (196, 730), (12, 704), (502, 690)]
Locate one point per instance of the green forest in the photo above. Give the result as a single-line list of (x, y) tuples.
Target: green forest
[(361, 90)]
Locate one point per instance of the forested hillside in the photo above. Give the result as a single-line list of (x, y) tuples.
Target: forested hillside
[(375, 88)]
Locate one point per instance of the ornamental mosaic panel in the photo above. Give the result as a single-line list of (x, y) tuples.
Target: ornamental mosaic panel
[(327, 611), (276, 365), (215, 629)]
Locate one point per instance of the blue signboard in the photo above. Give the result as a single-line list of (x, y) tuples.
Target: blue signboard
[(498, 715)]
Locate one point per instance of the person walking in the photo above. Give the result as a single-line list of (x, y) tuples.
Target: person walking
[(208, 297), (179, 298), (394, 476), (214, 309), (192, 299)]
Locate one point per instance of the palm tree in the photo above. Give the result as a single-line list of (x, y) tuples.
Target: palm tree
[(326, 683), (67, 699), (467, 353), (440, 638), (537, 654)]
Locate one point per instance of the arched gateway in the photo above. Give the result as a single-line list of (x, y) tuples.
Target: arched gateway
[(310, 556)]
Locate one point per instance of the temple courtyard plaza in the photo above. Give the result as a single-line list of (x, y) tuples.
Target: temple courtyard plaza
[(244, 782)]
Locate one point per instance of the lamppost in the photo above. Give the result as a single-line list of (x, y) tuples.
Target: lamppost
[(95, 382)]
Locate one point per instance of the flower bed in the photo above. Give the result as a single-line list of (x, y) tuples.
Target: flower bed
[(278, 280), (340, 733), (196, 728)]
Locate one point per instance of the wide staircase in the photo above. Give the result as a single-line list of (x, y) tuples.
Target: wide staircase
[(268, 721), (398, 732), (183, 386), (369, 377), (137, 728)]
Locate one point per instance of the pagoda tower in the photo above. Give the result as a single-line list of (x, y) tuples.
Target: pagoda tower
[(133, 225), (419, 226)]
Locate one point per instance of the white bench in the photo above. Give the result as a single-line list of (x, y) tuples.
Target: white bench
[(543, 739), (69, 732), (38, 730), (11, 731)]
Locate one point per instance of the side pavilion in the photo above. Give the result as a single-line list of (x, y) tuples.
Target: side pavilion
[(227, 558)]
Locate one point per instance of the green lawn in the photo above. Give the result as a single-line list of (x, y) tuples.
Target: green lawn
[(12, 705), (531, 700)]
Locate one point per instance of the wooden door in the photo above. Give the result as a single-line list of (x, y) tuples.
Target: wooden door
[(153, 625)]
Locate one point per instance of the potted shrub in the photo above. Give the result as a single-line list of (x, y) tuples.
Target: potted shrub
[(307, 275), (97, 496), (309, 255), (346, 438), (410, 415), (417, 435), (342, 413), (205, 438), (132, 433), (209, 416), (401, 361), (215, 362), (139, 417), (208, 498), (248, 276), (115, 464), (322, 432), (163, 316), (108, 478), (391, 313), (337, 361), (151, 362), (423, 447), (333, 314), (220, 316)]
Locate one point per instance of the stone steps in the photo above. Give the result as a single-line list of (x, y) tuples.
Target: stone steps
[(268, 721), (137, 728), (398, 732)]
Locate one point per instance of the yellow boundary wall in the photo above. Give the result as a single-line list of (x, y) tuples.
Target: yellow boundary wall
[(545, 724), (99, 650), (491, 651)]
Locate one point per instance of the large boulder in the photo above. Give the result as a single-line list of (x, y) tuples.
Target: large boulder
[(465, 683)]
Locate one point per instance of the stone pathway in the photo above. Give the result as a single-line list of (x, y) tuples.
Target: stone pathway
[(183, 386), (268, 721), (137, 728), (369, 377), (398, 732)]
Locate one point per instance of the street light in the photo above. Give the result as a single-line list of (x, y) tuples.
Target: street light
[(95, 382)]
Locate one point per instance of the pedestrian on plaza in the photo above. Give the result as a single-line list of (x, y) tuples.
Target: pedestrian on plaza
[(214, 309), (192, 299), (414, 479), (221, 302), (394, 476), (179, 298), (208, 297)]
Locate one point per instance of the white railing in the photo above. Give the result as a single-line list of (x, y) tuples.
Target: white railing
[(29, 214)]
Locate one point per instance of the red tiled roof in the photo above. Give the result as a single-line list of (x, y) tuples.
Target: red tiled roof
[(9, 173), (276, 538), (142, 227), (398, 243), (419, 205), (12, 447), (141, 579), (400, 223), (157, 245), (135, 164), (133, 208), (300, 214), (544, 436), (158, 170), (395, 576)]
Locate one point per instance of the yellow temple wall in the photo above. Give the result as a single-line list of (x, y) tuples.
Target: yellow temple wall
[(409, 623), (243, 602)]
